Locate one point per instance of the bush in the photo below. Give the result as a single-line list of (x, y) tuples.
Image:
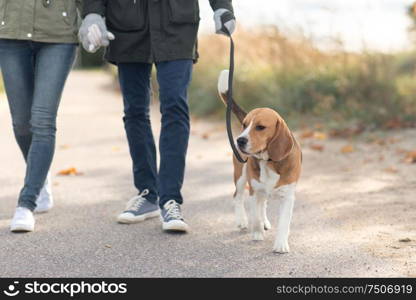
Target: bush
[(298, 80)]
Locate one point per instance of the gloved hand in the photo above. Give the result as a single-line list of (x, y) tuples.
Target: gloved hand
[(224, 20), (93, 33)]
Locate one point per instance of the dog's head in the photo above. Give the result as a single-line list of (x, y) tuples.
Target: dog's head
[(265, 134)]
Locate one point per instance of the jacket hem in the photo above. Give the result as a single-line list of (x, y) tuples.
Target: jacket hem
[(39, 38), (129, 59)]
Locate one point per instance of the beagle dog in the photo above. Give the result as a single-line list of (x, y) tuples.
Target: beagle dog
[(273, 167)]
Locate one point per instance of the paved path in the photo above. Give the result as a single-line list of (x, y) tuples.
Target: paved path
[(347, 221)]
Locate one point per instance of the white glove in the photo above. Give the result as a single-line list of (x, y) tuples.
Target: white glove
[(224, 20), (93, 33)]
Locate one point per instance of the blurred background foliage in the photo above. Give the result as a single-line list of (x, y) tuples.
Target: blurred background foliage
[(303, 83)]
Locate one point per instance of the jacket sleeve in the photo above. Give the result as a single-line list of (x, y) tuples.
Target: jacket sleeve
[(94, 7), (217, 4)]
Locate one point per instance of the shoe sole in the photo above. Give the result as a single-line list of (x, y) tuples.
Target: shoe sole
[(177, 226), (22, 228), (138, 219), (43, 210)]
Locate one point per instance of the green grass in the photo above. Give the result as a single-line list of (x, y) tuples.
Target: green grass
[(338, 89)]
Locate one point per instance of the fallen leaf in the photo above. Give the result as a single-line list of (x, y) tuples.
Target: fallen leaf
[(393, 140), (317, 147), (205, 136), (405, 240), (401, 151), (307, 134), (347, 149), (411, 157), (380, 142), (391, 169), (320, 136), (394, 124), (69, 172), (347, 132)]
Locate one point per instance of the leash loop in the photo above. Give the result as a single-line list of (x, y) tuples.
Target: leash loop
[(230, 100)]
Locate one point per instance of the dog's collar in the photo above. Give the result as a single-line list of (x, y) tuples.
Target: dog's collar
[(268, 160)]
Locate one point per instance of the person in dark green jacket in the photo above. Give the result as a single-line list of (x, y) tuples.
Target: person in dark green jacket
[(140, 33), (38, 40)]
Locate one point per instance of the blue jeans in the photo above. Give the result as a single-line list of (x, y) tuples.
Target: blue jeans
[(34, 76), (174, 78)]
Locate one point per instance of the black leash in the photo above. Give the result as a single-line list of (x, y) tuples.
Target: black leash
[(230, 99)]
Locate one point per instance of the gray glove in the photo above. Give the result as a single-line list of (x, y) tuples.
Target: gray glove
[(93, 33), (224, 20)]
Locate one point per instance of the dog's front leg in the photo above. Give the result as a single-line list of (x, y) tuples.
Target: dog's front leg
[(257, 208), (267, 225), (287, 199), (239, 209), (240, 212)]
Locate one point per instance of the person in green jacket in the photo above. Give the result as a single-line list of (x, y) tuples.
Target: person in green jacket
[(140, 33), (38, 41)]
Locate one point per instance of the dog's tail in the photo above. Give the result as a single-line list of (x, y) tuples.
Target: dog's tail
[(223, 90)]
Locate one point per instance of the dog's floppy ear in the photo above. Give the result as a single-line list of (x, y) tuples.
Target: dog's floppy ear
[(282, 142)]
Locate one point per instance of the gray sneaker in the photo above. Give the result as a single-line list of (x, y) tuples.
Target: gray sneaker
[(172, 217), (138, 209)]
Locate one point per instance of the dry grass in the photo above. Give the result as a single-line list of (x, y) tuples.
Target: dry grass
[(291, 75)]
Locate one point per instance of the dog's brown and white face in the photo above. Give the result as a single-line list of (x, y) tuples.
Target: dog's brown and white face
[(265, 132)]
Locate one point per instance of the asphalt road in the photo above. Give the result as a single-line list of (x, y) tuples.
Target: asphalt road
[(80, 236)]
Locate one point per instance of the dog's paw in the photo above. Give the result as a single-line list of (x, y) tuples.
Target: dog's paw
[(267, 225), (281, 247), (242, 224), (242, 227), (258, 236)]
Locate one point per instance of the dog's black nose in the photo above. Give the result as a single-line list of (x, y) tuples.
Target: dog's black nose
[(242, 142)]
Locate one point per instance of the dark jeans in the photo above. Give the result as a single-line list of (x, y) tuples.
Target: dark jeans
[(34, 76), (173, 78)]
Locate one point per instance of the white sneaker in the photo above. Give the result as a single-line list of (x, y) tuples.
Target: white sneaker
[(23, 220), (45, 200)]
